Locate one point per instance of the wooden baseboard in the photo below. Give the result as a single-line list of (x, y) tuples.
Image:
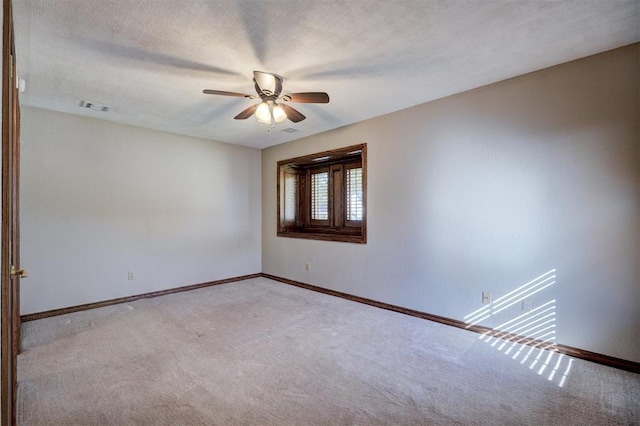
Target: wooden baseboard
[(607, 360), (62, 311), (567, 350)]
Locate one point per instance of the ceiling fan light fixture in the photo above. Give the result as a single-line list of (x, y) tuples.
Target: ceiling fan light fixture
[(279, 115), (269, 88), (263, 114)]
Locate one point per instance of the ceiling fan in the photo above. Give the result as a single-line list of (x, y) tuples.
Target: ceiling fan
[(272, 108)]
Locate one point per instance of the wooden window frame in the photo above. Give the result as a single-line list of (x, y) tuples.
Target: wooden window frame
[(300, 169)]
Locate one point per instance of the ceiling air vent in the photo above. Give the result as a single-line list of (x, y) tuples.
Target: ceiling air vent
[(94, 106), (290, 130)]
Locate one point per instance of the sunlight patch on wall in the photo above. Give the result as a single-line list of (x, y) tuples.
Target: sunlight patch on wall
[(529, 338), (515, 296)]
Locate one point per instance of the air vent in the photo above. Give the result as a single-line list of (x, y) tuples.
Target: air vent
[(94, 106), (290, 130)]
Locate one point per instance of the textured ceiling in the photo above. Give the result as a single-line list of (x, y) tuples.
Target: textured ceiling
[(149, 60)]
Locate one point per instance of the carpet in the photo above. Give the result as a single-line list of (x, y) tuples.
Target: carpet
[(258, 352)]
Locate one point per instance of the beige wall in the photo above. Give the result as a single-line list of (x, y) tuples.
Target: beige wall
[(100, 199), (489, 189), (482, 191)]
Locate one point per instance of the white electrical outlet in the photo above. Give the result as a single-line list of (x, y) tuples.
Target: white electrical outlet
[(527, 305), (486, 297), (307, 267), (130, 276)]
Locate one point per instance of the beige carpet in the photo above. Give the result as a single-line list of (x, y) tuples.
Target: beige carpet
[(261, 352)]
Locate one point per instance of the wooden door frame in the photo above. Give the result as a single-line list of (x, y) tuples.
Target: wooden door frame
[(9, 288)]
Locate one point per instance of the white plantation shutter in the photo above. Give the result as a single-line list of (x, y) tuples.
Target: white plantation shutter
[(354, 194), (290, 197), (320, 196)]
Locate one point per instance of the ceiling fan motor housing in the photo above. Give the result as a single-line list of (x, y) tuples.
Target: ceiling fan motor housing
[(267, 84)]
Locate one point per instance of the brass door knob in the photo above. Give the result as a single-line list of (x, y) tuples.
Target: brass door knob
[(21, 273)]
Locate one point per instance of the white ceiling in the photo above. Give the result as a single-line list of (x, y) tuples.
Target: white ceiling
[(149, 60)]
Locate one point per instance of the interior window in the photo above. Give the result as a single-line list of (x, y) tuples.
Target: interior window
[(323, 196)]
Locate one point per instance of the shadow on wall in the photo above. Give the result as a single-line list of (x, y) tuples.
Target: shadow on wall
[(529, 338)]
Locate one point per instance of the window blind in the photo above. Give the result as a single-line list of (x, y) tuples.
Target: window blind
[(354, 194), (290, 197), (320, 196)]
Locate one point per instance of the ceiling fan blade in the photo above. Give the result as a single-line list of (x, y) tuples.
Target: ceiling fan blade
[(247, 113), (267, 83), (223, 93), (309, 97), (293, 114)]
